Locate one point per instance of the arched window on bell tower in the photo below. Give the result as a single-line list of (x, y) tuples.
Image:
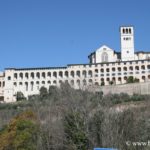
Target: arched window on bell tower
[(104, 57)]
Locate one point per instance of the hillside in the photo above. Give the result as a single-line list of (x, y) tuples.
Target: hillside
[(78, 120)]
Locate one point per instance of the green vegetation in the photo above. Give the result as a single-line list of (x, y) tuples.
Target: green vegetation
[(75, 131), (21, 133), (20, 96), (64, 118), (111, 82), (102, 83), (131, 79)]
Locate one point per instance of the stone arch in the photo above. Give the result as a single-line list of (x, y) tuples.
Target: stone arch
[(37, 82), (20, 83), (136, 67), (72, 73), (129, 30), (32, 84), (143, 78), (119, 68), (54, 82), (148, 66), (102, 70), (72, 82), (49, 82), (78, 73), (38, 75), (131, 68), (113, 69), (119, 79), (90, 81), (15, 83), (124, 68), (43, 74), (90, 73), (60, 81), (123, 30), (125, 78), (55, 74), (84, 82), (84, 73), (107, 70), (26, 75), (26, 86), (143, 67), (78, 82), (108, 79), (21, 75), (49, 74), (114, 80), (43, 82), (15, 75), (9, 78), (102, 79), (96, 83), (60, 74), (96, 70), (66, 73), (32, 75)]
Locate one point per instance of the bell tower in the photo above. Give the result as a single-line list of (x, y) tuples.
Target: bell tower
[(127, 43)]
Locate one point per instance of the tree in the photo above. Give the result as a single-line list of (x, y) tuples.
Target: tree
[(96, 129), (130, 79), (76, 138), (111, 82), (102, 83), (136, 80), (20, 96), (43, 92), (21, 133)]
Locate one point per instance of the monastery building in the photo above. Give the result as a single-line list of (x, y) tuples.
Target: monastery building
[(106, 66)]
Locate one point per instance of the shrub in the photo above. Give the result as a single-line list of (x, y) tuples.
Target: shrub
[(43, 92), (130, 79), (137, 97), (20, 96), (102, 83), (111, 82), (21, 133), (136, 80), (75, 131)]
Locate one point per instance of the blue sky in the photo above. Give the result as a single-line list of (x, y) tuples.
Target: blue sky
[(43, 33)]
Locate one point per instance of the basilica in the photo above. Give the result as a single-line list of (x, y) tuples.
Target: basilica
[(106, 67)]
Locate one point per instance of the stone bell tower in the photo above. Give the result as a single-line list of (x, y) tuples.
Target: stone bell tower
[(127, 43)]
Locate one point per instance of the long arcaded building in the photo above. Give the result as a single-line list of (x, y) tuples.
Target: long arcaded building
[(106, 66)]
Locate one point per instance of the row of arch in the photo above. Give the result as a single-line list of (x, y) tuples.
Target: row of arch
[(130, 68), (43, 83), (127, 30), (77, 73), (50, 74), (73, 82)]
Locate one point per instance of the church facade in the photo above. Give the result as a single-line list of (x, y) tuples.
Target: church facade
[(106, 66)]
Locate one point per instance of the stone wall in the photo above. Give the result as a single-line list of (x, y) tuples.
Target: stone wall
[(139, 88)]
